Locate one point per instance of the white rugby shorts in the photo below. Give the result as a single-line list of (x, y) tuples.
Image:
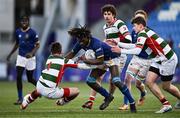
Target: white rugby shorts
[(28, 63), (167, 67), (49, 90), (140, 64)]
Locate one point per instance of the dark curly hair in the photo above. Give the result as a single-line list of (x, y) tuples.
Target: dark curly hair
[(80, 32), (109, 7)]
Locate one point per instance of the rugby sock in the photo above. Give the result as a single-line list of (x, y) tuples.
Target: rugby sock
[(20, 95), (142, 90), (98, 88), (34, 95), (125, 100), (127, 93), (103, 92), (143, 93), (92, 98), (30, 99), (164, 101)]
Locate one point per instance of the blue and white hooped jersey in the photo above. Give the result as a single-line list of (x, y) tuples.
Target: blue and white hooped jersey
[(100, 48), (26, 40)]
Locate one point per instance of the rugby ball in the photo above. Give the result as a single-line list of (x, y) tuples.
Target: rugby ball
[(90, 54)]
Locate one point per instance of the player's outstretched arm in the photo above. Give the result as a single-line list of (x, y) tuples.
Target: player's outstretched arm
[(80, 66), (126, 45), (134, 51)]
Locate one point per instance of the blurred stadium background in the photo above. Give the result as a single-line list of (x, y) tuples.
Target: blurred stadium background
[(52, 18)]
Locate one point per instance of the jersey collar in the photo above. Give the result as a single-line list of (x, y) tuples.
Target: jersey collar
[(112, 23), (25, 30)]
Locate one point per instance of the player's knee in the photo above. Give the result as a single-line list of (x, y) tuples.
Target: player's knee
[(91, 81), (166, 87), (149, 84), (76, 90), (71, 92), (128, 79), (140, 77), (138, 83), (117, 82), (130, 74), (99, 79)]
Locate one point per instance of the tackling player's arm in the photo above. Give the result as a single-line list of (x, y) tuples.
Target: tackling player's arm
[(136, 50), (126, 45), (70, 55), (81, 66)]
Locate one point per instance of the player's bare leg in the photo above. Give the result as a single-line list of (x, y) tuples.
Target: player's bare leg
[(140, 85), (150, 81), (68, 96), (173, 90)]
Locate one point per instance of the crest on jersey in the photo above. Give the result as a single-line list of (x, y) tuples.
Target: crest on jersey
[(138, 40), (124, 28), (27, 36), (19, 36)]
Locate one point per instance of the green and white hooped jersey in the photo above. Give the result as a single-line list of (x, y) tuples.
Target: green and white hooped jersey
[(153, 45), (53, 66), (117, 31)]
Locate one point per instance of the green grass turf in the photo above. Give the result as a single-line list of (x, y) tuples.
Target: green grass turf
[(43, 107)]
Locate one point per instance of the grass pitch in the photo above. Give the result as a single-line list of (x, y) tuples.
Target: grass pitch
[(43, 107)]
